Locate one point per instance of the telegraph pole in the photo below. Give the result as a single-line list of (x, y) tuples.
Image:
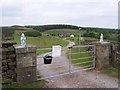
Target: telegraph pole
[(79, 38), (79, 35)]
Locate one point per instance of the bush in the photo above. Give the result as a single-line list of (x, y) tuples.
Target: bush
[(33, 33), (90, 34)]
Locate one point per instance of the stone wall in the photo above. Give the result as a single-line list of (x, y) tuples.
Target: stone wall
[(18, 63), (8, 62)]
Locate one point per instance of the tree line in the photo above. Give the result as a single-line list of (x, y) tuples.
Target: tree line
[(43, 28)]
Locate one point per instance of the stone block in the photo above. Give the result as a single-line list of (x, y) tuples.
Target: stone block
[(10, 72), (8, 43), (4, 45), (4, 73), (12, 67), (19, 62), (6, 81), (11, 48), (9, 76), (14, 75), (7, 60), (11, 60), (11, 53), (4, 68), (4, 63), (27, 74), (12, 63), (12, 56), (5, 56), (4, 51), (26, 49), (27, 62), (4, 77), (19, 55), (1, 55)]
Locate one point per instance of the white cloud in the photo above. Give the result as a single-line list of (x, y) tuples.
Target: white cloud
[(102, 13)]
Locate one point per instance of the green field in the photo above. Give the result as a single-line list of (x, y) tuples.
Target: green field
[(67, 31), (39, 52), (42, 41), (81, 55), (82, 49)]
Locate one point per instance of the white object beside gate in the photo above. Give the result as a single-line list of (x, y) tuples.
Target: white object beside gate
[(56, 51)]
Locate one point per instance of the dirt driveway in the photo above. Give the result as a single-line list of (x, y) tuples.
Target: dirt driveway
[(82, 79)]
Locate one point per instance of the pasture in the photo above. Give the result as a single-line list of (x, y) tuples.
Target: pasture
[(41, 41), (81, 57), (59, 31)]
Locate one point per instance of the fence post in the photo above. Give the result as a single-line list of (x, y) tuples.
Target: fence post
[(70, 59)]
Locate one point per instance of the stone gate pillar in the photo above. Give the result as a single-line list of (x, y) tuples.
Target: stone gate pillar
[(26, 63), (103, 55)]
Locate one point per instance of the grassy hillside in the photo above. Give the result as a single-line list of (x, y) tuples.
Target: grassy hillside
[(42, 41), (58, 31)]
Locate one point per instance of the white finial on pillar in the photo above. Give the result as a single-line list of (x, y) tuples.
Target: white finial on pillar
[(101, 38), (23, 40)]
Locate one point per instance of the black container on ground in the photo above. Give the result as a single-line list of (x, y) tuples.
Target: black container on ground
[(47, 59)]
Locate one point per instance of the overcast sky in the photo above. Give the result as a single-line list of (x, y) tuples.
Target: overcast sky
[(96, 13)]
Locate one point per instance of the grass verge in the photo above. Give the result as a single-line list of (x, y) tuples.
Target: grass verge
[(84, 58), (33, 86), (39, 52), (63, 31), (111, 71)]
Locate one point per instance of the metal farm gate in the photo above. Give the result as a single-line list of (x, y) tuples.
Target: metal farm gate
[(72, 59)]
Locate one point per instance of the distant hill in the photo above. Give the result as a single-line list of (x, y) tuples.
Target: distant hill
[(18, 26), (43, 28), (51, 27)]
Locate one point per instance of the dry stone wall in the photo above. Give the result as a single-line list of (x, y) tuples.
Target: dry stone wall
[(18, 63), (8, 63)]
